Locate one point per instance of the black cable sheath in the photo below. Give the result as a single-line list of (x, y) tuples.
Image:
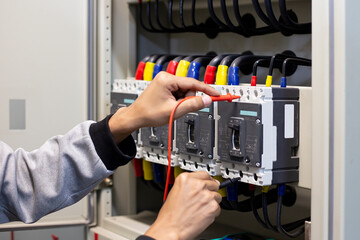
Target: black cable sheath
[(285, 16), (297, 61), (280, 227), (255, 212), (265, 212)]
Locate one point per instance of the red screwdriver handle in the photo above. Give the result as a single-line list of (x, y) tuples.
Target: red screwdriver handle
[(228, 97)]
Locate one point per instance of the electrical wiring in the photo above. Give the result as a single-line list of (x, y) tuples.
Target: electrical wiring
[(140, 68), (260, 12), (173, 64), (160, 62), (244, 64), (148, 13), (259, 62), (210, 72), (137, 164), (161, 26), (248, 23), (223, 67), (230, 25), (214, 17), (227, 97), (297, 61), (253, 208), (264, 191), (171, 20), (149, 67), (142, 20), (287, 19), (281, 57), (281, 192), (284, 29), (196, 64)]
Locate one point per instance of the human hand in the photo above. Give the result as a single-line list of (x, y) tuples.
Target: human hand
[(192, 205), (153, 107)]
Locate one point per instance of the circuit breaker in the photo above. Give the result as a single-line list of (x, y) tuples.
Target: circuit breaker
[(258, 135), (119, 100), (195, 141)]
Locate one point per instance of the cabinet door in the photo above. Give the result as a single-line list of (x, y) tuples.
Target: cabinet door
[(44, 79)]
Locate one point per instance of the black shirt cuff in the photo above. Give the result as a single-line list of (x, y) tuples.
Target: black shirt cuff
[(144, 237), (111, 154)]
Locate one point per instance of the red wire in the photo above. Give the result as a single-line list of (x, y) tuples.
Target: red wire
[(169, 145)]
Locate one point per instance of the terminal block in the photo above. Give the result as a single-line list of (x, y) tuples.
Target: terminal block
[(195, 141), (258, 135)]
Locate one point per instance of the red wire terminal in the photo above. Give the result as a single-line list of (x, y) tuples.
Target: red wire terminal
[(228, 97)]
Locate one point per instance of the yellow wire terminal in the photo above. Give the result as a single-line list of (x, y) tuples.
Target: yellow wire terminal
[(222, 191), (148, 71), (182, 68), (148, 170), (221, 75), (177, 171), (265, 189), (268, 81)]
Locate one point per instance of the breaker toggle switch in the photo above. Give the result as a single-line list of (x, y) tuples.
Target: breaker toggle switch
[(192, 135), (153, 138), (237, 126)]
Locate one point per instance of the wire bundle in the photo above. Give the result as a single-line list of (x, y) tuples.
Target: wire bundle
[(245, 25)]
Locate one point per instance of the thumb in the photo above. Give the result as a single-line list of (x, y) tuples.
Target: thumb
[(192, 105)]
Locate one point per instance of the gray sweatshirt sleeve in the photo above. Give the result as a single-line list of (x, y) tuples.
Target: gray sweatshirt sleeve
[(61, 172)]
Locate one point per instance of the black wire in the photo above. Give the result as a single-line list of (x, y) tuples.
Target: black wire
[(142, 20), (285, 16), (302, 62), (214, 17), (278, 222), (265, 212), (161, 26), (171, 17), (230, 25), (181, 12), (254, 210), (260, 62), (260, 12), (286, 30), (148, 13), (193, 14)]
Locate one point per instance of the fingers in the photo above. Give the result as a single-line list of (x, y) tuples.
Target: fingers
[(193, 84), (193, 105)]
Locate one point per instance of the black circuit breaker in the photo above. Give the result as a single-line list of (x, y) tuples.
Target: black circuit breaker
[(119, 100), (258, 136)]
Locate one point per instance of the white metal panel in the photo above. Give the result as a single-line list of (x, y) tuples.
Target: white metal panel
[(346, 119), (43, 60), (320, 120)]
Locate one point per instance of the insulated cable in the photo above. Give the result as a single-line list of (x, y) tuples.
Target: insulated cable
[(173, 64), (248, 23), (160, 62), (140, 68), (297, 61), (222, 69), (196, 64), (264, 191), (244, 64), (227, 97), (281, 191), (290, 22), (253, 208)]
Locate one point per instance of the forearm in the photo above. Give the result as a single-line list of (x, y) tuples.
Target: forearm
[(59, 173)]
